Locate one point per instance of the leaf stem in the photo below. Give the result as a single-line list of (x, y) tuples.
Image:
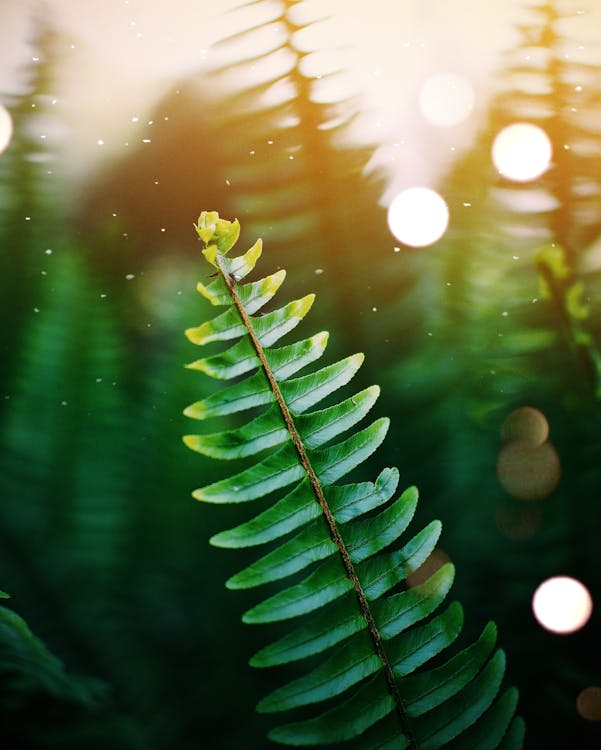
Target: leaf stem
[(335, 535)]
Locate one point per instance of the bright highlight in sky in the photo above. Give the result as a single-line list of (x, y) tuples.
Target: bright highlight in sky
[(418, 217), (522, 152), (562, 604), (446, 99), (6, 128)]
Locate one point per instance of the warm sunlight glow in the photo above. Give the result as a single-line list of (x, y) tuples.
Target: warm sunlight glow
[(526, 425), (446, 99), (522, 152), (588, 703), (6, 128), (527, 471), (562, 604), (418, 217), (436, 560)]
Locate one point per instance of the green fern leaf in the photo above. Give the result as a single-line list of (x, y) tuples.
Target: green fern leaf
[(27, 667), (377, 637)]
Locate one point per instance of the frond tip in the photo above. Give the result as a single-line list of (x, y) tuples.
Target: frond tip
[(376, 634)]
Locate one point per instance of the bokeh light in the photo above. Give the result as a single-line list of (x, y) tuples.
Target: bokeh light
[(446, 99), (527, 471), (562, 604), (431, 564), (6, 128), (525, 425), (517, 521), (588, 703), (418, 216), (522, 152)]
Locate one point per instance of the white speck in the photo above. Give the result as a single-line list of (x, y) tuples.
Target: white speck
[(252, 152), (64, 403), (130, 276), (148, 325), (35, 59), (397, 249), (535, 300), (44, 273), (28, 218), (99, 380), (270, 143), (467, 205), (135, 119), (291, 157), (162, 229), (100, 142), (48, 251), (151, 122), (374, 309), (43, 137), (54, 101), (577, 88), (179, 291), (515, 257), (165, 118), (36, 309), (102, 296), (156, 182), (318, 271), (504, 313), (228, 183), (146, 140), (429, 333), (113, 214), (566, 146), (449, 283)]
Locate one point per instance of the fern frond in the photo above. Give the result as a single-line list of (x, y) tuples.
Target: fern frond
[(377, 638), (27, 667)]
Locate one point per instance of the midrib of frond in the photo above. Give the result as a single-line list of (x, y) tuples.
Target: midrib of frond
[(335, 535)]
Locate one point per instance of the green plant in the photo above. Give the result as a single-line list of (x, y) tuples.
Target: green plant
[(28, 668), (371, 649)]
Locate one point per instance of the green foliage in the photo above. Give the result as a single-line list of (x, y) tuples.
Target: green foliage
[(380, 653), (27, 667)]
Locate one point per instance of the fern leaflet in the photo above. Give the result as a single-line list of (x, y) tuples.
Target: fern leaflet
[(375, 649)]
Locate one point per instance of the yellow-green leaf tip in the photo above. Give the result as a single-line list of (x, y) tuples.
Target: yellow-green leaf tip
[(218, 235)]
